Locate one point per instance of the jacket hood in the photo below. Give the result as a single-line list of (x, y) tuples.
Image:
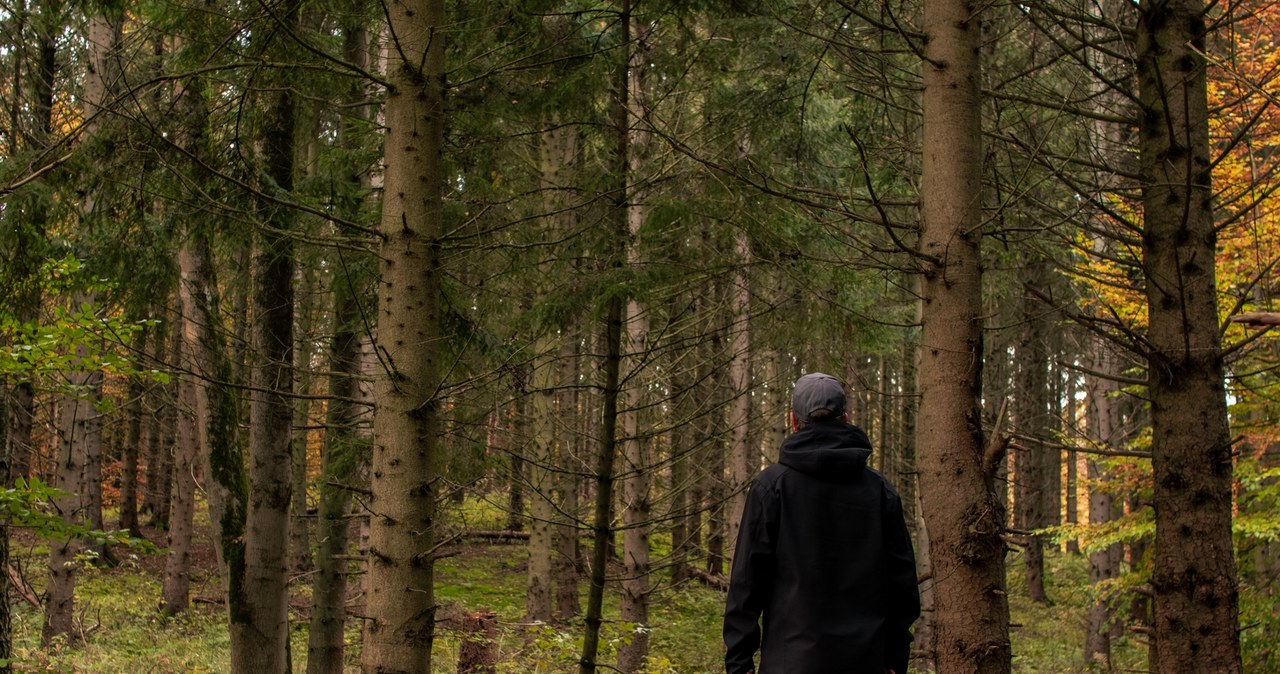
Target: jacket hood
[(830, 451)]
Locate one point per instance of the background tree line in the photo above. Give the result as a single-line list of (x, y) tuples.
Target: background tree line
[(327, 269)]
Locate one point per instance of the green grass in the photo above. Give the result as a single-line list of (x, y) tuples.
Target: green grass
[(127, 634)]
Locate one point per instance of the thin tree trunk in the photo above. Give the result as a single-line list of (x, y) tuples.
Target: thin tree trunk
[(1103, 428), (299, 559), (76, 420), (130, 454), (636, 486), (538, 588), (1196, 602), (743, 457), (176, 587), (346, 445), (407, 457), (962, 510), (1031, 415), (339, 462), (613, 344), (260, 640)]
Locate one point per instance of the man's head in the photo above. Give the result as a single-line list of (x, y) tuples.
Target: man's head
[(817, 397)]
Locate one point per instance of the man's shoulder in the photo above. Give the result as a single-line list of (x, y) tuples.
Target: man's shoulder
[(769, 477), (879, 478)]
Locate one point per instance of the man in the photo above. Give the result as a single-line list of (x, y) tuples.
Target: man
[(823, 554)]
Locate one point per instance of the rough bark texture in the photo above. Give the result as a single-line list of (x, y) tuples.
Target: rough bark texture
[(963, 513), (400, 627), (176, 586), (1196, 605), (260, 642)]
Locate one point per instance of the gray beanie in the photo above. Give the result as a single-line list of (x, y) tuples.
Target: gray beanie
[(817, 397)]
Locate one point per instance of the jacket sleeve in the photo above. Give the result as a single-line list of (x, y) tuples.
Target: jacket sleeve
[(903, 587), (750, 580)]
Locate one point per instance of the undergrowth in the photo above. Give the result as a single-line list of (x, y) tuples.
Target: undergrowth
[(125, 632)]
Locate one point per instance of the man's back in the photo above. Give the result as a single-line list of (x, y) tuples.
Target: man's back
[(824, 555)]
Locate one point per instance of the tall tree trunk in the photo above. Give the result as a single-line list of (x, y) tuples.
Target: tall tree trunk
[(345, 448), (1031, 415), (217, 404), (1196, 603), (612, 339), (1103, 429), (541, 426), (744, 459), (339, 462), (260, 643), (407, 453), (962, 510), (636, 486), (130, 454), (176, 587)]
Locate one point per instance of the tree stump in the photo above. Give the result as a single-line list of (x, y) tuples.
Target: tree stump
[(478, 653)]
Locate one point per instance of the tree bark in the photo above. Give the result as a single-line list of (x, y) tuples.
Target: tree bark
[(260, 641), (1196, 603), (613, 345), (77, 419), (407, 454), (963, 513), (176, 587), (538, 587), (636, 485), (344, 455), (1103, 426), (130, 454), (1031, 416), (339, 462)]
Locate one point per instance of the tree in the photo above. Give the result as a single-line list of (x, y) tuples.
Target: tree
[(957, 469), (407, 422), (1194, 578)]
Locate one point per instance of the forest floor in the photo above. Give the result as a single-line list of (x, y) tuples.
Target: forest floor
[(125, 633)]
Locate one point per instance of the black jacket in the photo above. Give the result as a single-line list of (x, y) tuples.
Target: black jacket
[(824, 555)]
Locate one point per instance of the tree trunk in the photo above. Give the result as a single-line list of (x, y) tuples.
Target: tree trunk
[(636, 485), (963, 513), (344, 454), (541, 426), (76, 421), (176, 587), (612, 341), (1104, 429), (744, 459), (564, 565), (1031, 416), (400, 628), (260, 642), (299, 560), (339, 462), (130, 453), (1196, 603)]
